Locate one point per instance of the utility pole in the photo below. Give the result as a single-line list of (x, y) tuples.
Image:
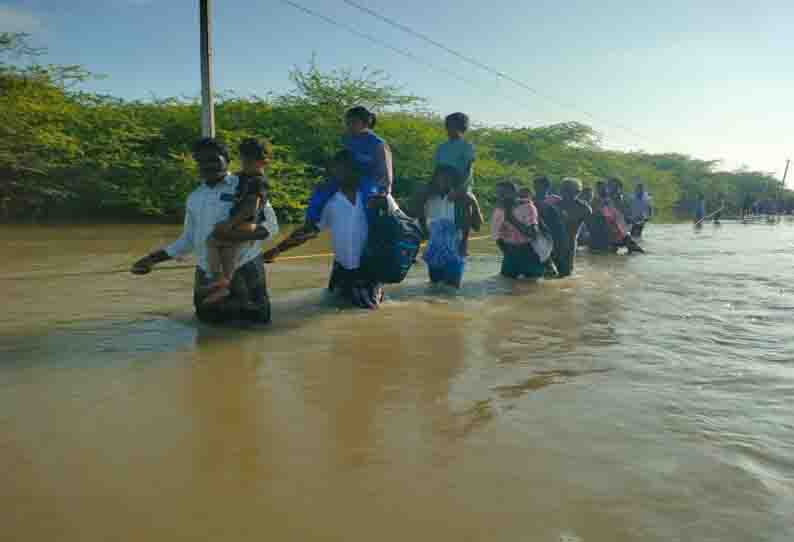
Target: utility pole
[(207, 107), (785, 173)]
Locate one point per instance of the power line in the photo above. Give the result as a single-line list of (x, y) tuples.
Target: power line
[(381, 43), (416, 58), (489, 69)]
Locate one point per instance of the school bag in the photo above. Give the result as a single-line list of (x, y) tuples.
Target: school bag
[(393, 243)]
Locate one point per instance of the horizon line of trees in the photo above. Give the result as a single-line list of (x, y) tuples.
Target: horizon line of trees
[(68, 154)]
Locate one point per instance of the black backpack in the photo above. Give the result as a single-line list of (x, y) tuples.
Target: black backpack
[(393, 243)]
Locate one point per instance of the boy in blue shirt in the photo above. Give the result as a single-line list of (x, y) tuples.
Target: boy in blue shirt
[(458, 153)]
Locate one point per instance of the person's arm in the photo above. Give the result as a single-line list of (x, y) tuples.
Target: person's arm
[(497, 220), (267, 229), (424, 219), (384, 173), (181, 246), (270, 224), (254, 193), (145, 264), (587, 211), (298, 237), (468, 172), (248, 208)]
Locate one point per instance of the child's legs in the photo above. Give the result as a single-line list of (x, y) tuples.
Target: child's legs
[(477, 219), (464, 242), (214, 258), (230, 254)]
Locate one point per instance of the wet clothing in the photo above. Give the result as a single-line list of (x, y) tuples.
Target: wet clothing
[(519, 258), (458, 154), (573, 213), (248, 299), (464, 212), (598, 228), (373, 157), (348, 225), (443, 257), (206, 207), (353, 285), (452, 273), (349, 228), (520, 261), (549, 217), (604, 229)]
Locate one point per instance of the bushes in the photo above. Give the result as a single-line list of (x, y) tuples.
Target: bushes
[(78, 155)]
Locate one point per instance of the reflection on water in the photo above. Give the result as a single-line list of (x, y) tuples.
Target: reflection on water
[(649, 398)]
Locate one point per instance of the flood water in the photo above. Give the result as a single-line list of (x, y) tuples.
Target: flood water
[(649, 398)]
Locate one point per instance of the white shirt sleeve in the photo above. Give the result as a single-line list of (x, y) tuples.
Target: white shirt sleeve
[(183, 245), (271, 221)]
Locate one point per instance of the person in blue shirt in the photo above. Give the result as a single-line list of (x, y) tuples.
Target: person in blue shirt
[(371, 155)]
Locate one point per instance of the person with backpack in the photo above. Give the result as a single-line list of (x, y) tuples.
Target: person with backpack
[(515, 228), (345, 217)]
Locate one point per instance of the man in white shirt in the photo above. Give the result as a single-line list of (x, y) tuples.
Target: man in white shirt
[(208, 205), (345, 217)]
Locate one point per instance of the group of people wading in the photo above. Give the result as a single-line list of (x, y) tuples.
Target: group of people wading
[(228, 217)]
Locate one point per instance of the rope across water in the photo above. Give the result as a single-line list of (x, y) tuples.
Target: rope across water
[(172, 267)]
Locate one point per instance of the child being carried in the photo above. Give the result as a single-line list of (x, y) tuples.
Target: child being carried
[(223, 250)]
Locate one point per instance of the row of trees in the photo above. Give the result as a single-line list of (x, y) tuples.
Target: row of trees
[(69, 154)]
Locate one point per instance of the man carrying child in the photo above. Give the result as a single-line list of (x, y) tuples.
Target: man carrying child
[(209, 220)]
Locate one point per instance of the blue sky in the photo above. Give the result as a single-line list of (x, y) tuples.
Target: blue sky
[(709, 78)]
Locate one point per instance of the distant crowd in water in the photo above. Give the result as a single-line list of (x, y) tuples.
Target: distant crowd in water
[(374, 241)]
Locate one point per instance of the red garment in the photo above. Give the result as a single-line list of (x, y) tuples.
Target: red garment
[(524, 213), (617, 231)]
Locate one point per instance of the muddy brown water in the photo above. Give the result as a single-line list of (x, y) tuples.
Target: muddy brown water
[(649, 398)]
